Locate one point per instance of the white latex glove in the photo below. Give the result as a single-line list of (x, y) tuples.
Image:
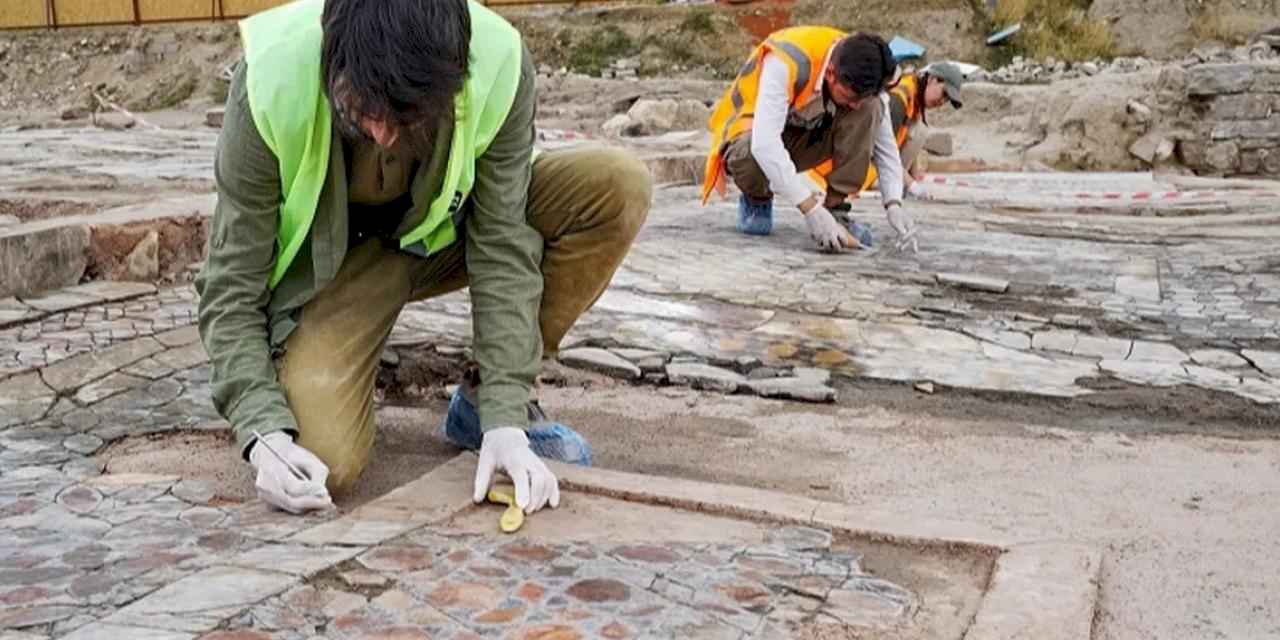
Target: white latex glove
[(826, 232), (904, 226), (507, 449), (916, 190), (278, 487)]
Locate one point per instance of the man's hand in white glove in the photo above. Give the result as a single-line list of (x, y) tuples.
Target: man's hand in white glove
[(826, 232), (904, 226), (278, 487), (507, 449)]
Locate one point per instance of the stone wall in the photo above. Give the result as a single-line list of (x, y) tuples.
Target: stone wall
[(1231, 124)]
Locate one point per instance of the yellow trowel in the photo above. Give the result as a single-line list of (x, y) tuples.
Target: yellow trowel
[(513, 518)]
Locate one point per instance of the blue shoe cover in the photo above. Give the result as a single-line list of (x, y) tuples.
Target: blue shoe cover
[(755, 218), (550, 440)]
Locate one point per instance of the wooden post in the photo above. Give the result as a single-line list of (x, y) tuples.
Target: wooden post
[(137, 13), (52, 13)]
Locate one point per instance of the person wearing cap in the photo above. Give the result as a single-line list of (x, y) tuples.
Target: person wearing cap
[(915, 93), (909, 102), (808, 98)]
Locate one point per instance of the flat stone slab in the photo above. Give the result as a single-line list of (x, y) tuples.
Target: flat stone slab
[(24, 398), (1218, 358), (1139, 288), (201, 601), (975, 282), (109, 291), (12, 311), (1266, 361), (61, 300), (1045, 592), (43, 260), (792, 389), (705, 376), (79, 370), (602, 361), (1146, 351)]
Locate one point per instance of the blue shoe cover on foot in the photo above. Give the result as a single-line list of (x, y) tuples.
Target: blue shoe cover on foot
[(862, 232), (755, 218), (550, 440)]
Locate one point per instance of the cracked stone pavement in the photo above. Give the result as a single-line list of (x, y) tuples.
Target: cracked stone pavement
[(1021, 286)]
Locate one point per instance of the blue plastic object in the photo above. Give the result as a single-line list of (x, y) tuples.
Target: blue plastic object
[(1003, 34), (904, 49), (550, 440), (755, 218), (862, 232)]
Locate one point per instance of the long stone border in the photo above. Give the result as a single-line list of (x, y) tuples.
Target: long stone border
[(1042, 590), (47, 255)]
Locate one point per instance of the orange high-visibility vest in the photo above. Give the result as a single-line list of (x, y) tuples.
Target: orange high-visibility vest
[(908, 91), (804, 50)]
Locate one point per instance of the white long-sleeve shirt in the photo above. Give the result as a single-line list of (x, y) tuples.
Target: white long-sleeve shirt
[(772, 109)]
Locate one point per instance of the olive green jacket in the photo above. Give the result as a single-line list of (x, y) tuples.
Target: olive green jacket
[(244, 324)]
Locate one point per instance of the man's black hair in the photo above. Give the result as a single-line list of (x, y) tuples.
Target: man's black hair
[(401, 61), (865, 63)]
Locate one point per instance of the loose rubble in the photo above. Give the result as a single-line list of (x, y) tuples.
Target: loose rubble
[(1024, 71)]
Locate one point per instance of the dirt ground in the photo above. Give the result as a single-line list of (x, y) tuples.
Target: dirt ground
[(162, 66)]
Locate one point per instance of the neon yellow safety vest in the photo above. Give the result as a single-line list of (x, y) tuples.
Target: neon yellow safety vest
[(291, 112)]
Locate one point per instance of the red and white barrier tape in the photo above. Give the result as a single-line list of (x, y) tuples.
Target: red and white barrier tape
[(1145, 196)]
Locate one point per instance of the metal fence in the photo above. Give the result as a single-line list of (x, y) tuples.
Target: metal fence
[(35, 14)]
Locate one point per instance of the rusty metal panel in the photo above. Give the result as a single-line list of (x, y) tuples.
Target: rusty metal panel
[(73, 12), (158, 10), (22, 13)]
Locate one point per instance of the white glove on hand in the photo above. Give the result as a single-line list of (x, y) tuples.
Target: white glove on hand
[(278, 487), (917, 191), (826, 232), (507, 449), (904, 226)]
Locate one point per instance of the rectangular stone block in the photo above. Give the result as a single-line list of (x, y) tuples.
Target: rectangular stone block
[(79, 370), (1047, 592), (1251, 161), (212, 589), (1244, 106), (185, 357), (99, 631), (24, 398), (114, 291), (1138, 287), (1062, 341), (1267, 80), (1193, 153), (35, 261), (12, 312), (974, 281), (1268, 129), (1102, 347), (1219, 78), (59, 301)]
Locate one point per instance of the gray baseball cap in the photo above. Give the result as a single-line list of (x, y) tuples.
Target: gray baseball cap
[(952, 78)]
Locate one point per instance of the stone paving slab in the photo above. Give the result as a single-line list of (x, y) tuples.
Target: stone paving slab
[(1041, 591)]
